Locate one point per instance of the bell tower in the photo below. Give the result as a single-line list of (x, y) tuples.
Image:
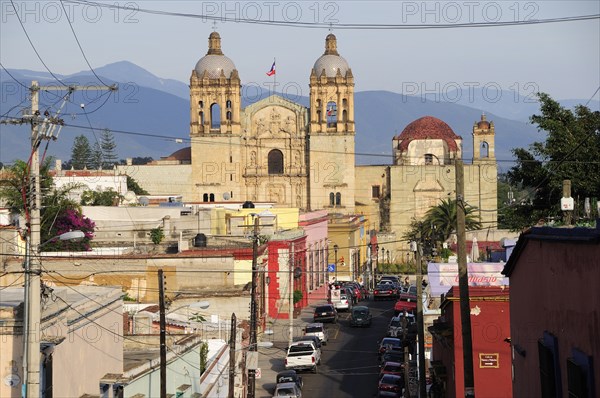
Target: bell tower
[(483, 141), (331, 132), (215, 93)]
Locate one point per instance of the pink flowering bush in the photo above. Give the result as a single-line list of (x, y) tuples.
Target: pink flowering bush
[(71, 220)]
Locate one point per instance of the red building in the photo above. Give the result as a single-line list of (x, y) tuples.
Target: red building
[(490, 327), (287, 263), (555, 312)]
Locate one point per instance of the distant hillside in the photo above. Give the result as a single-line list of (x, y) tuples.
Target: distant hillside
[(147, 114)]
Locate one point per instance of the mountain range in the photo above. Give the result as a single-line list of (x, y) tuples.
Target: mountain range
[(149, 116)]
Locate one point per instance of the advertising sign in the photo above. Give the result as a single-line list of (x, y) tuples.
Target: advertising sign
[(442, 276)]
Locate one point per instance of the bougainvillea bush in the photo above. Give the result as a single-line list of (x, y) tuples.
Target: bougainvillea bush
[(70, 220)]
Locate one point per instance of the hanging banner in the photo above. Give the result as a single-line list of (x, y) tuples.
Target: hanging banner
[(442, 276)]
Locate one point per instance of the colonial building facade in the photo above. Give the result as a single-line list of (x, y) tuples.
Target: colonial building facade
[(273, 150)]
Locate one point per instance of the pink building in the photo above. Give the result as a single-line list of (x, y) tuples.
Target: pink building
[(555, 312)]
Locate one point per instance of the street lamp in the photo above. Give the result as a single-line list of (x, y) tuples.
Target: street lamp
[(335, 250), (32, 315), (370, 264), (376, 264)]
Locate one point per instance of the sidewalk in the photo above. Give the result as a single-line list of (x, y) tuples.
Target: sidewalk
[(271, 360)]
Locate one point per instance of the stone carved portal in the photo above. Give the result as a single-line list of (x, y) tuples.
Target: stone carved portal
[(274, 122), (276, 193)]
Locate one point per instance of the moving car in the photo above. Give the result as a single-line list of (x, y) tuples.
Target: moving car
[(287, 390), (390, 386), (325, 313), (384, 291), (361, 316), (289, 376), (318, 330)]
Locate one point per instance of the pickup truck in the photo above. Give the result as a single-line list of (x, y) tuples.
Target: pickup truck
[(303, 355)]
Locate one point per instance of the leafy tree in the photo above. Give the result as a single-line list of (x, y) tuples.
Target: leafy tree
[(570, 152), (157, 235), (14, 190), (109, 148), (107, 197), (81, 153), (132, 185)]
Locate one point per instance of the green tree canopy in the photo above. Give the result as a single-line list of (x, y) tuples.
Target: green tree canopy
[(570, 152), (108, 197), (81, 153)]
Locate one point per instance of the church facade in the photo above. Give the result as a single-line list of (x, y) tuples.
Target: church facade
[(273, 150)]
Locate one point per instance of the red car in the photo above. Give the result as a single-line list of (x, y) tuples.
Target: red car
[(391, 368), (390, 386), (406, 302)]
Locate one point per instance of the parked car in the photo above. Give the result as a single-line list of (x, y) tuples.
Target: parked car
[(392, 278), (388, 343), (392, 355), (356, 292), (325, 313), (384, 291), (313, 339), (303, 355), (361, 316), (343, 303), (392, 368), (318, 330), (289, 376), (406, 302), (287, 390), (395, 326), (390, 386)]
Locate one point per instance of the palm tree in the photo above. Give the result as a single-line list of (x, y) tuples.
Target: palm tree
[(440, 221)]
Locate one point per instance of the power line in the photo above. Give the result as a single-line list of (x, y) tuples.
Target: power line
[(343, 26), (79, 45)]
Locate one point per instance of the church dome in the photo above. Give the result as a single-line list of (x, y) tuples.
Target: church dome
[(483, 124), (428, 128), (331, 61), (214, 62)]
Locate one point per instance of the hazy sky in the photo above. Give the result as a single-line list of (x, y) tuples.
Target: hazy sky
[(562, 59)]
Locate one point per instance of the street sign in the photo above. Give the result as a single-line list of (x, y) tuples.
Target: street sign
[(331, 268), (489, 360), (257, 373)]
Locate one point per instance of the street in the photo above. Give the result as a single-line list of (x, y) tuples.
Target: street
[(349, 366)]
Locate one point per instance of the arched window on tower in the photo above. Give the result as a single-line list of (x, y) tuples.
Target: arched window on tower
[(228, 104), (201, 104), (205, 197), (331, 199), (484, 150), (344, 116), (338, 199), (331, 114), (428, 158), (201, 118), (212, 197), (275, 160), (215, 116), (229, 116)]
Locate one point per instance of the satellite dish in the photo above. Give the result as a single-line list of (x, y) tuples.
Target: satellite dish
[(226, 196), (144, 201), (130, 196)]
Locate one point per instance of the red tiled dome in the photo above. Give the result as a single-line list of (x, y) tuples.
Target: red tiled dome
[(428, 127), (183, 154)]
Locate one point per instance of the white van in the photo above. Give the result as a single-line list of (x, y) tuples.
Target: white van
[(317, 329)]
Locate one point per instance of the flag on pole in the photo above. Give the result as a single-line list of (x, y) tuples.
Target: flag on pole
[(272, 71)]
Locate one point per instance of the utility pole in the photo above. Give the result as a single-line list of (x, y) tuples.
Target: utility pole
[(253, 313), (163, 335), (405, 349), (567, 203), (420, 322), (291, 295), (232, 338), (31, 347), (463, 281)]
